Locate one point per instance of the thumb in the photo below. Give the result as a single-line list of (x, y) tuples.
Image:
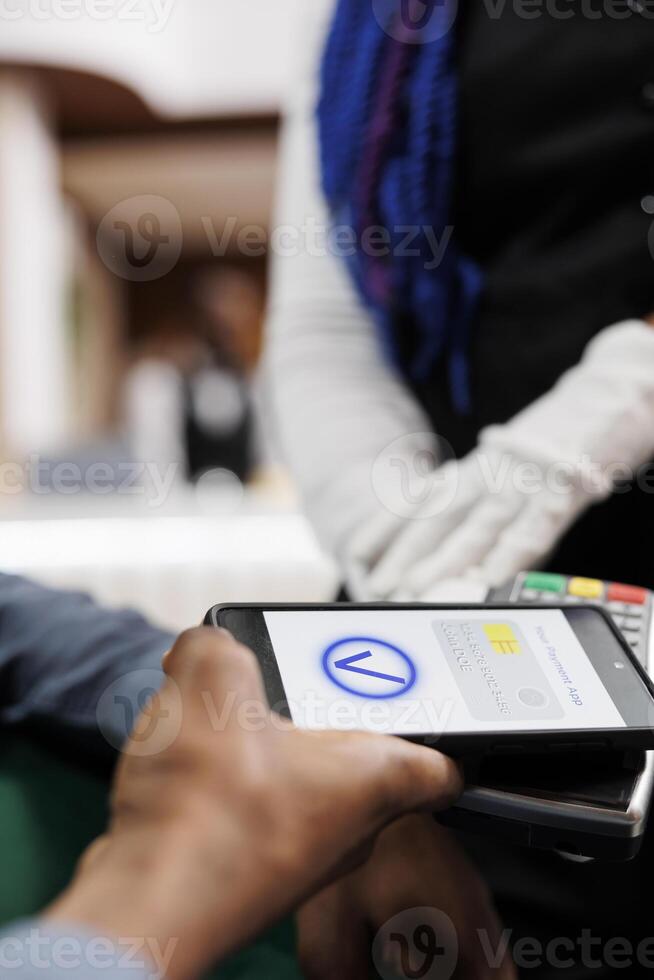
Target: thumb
[(423, 778), (405, 777)]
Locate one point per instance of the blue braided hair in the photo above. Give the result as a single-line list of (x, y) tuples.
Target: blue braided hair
[(387, 120)]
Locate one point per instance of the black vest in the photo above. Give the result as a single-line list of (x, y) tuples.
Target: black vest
[(556, 163)]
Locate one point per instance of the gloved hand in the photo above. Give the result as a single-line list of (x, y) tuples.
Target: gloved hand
[(505, 506)]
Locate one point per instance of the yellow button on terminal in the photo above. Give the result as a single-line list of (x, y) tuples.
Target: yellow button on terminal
[(586, 588)]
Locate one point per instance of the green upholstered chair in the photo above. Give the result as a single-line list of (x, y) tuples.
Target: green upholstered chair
[(49, 811)]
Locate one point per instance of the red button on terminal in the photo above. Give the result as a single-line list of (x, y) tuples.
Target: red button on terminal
[(627, 593)]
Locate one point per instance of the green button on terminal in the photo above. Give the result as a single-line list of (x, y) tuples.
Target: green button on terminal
[(545, 582)]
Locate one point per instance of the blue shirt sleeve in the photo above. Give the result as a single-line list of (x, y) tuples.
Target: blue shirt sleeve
[(41, 950), (73, 668)]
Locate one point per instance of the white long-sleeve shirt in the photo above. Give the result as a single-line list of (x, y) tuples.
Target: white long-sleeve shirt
[(337, 404)]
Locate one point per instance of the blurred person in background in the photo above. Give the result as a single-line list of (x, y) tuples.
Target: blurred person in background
[(187, 397), (463, 371)]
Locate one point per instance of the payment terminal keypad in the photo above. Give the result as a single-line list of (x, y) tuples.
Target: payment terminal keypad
[(629, 606)]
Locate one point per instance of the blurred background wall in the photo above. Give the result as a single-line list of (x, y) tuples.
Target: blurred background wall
[(137, 165)]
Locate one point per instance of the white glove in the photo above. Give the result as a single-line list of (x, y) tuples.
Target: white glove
[(505, 506)]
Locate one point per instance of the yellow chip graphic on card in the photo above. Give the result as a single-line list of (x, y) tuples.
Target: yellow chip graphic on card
[(502, 638)]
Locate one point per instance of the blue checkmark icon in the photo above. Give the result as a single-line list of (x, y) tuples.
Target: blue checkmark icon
[(346, 664), (381, 670)]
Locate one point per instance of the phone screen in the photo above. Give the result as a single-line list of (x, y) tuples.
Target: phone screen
[(425, 670)]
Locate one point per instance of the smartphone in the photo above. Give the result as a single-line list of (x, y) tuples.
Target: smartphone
[(462, 678)]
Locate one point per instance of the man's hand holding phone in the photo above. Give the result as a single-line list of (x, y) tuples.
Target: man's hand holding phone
[(225, 816)]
